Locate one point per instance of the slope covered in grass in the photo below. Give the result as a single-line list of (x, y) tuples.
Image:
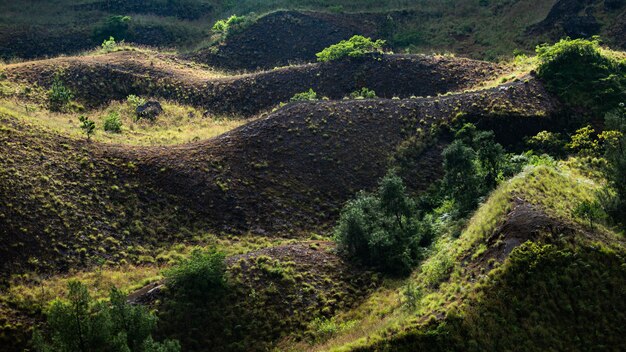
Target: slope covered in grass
[(524, 272)]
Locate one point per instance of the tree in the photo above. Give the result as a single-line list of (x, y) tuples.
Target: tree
[(82, 324), (87, 126), (614, 138), (461, 180), (590, 211), (383, 229)]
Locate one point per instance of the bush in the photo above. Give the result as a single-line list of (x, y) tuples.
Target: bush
[(59, 95), (583, 142), (113, 26), (109, 45), (112, 123), (382, 229), (83, 324), (546, 142), (354, 47), (232, 25), (134, 101), (200, 276), (364, 93), (581, 74), (305, 96)]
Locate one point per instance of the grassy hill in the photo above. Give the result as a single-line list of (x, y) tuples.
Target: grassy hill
[(237, 214), (523, 273), (480, 29)]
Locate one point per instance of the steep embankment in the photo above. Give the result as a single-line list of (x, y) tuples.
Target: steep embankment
[(102, 78), (285, 173)]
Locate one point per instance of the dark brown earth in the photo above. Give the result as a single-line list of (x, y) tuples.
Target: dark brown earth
[(286, 37), (96, 80), (283, 174)]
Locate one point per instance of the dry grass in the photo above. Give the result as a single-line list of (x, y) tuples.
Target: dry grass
[(178, 124)]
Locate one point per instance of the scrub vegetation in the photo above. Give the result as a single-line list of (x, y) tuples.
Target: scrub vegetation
[(292, 176)]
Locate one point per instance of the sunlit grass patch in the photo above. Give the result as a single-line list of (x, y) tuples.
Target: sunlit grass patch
[(176, 125)]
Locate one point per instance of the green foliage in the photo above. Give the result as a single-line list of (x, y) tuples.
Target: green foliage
[(82, 324), (231, 25), (198, 277), (59, 95), (354, 47), (113, 123), (134, 101), (113, 26), (589, 210), (582, 74), (304, 96), (546, 142), (363, 93), (87, 125), (383, 229), (614, 138), (584, 143), (109, 45), (474, 163)]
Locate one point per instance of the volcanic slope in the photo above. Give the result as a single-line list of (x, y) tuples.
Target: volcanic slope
[(286, 37), (523, 275), (98, 79), (282, 174)]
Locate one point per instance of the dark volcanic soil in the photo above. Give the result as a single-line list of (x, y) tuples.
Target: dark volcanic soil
[(99, 79), (283, 174), (286, 37)]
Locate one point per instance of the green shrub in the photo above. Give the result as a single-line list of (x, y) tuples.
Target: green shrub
[(83, 324), (304, 96), (109, 45), (233, 24), (382, 229), (200, 276), (134, 101), (113, 26), (581, 74), (363, 93), (354, 47), (546, 142), (87, 125), (59, 95), (112, 123), (583, 142)]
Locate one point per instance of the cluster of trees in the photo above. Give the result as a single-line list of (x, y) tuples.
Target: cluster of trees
[(389, 230), (83, 324)]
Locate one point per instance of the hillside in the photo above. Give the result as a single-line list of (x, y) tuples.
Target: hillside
[(312, 176), (478, 29)]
